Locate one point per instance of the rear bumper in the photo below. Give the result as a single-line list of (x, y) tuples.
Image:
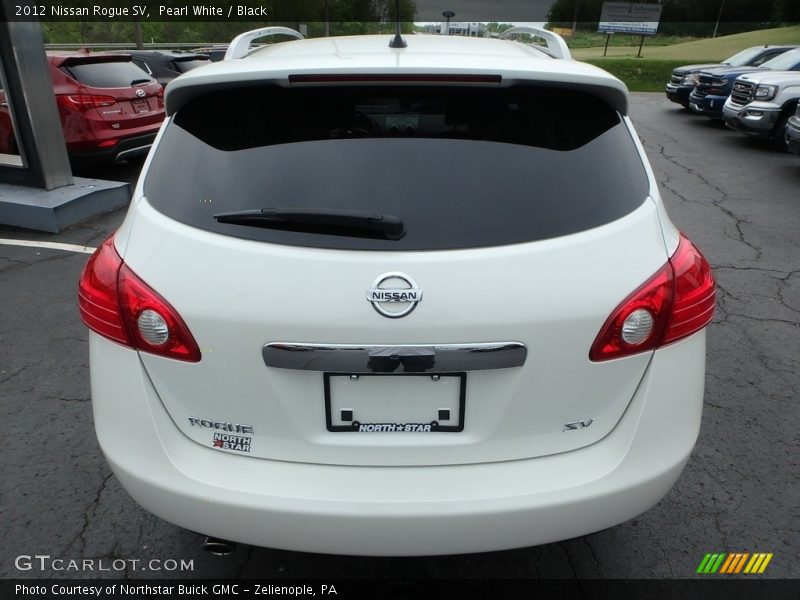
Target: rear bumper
[(398, 510), (127, 148)]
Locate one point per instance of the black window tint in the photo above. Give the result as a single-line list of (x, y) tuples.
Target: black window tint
[(462, 168), (267, 116), (142, 65), (107, 74)]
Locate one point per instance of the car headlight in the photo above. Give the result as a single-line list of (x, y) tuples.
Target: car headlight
[(691, 79), (766, 92)]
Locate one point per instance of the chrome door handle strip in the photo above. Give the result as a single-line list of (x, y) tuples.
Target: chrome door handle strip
[(423, 358)]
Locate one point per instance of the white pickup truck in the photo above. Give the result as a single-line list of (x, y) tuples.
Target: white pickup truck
[(761, 104)]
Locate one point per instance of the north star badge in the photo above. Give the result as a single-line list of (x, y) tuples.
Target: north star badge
[(228, 441)]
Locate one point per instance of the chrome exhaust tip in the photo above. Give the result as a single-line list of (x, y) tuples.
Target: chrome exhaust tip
[(218, 547)]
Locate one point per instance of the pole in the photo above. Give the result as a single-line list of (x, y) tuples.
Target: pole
[(608, 37), (641, 43), (719, 16), (137, 34), (575, 18), (448, 14)]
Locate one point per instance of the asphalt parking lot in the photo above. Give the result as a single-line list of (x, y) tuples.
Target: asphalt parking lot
[(737, 199)]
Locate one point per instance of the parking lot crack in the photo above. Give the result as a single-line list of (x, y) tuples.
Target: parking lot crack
[(786, 274), (765, 319), (8, 491), (245, 563), (73, 399), (18, 265), (15, 373), (570, 562), (536, 563), (721, 196), (88, 515), (781, 298), (13, 263), (591, 551)]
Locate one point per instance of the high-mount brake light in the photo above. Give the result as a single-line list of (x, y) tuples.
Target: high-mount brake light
[(394, 78), (673, 304), (114, 302)]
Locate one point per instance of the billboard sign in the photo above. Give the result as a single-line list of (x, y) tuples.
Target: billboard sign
[(630, 18)]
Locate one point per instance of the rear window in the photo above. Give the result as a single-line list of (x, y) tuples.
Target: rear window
[(107, 74), (187, 65), (461, 167)]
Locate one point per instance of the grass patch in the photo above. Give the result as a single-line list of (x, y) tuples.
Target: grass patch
[(640, 75), (651, 73), (590, 39), (708, 50)]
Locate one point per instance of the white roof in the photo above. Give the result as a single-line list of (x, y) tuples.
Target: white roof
[(425, 54)]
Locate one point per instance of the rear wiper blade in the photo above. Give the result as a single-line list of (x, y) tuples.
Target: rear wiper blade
[(138, 81), (331, 221)]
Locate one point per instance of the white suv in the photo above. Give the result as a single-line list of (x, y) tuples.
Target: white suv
[(397, 301)]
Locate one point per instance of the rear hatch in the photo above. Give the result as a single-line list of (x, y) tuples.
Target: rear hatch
[(525, 219), (125, 95), (184, 64)]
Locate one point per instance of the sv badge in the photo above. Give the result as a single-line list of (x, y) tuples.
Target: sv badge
[(577, 425)]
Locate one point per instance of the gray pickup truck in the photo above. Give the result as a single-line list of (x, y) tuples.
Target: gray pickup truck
[(762, 103)]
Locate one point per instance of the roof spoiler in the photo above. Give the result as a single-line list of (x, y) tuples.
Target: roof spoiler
[(240, 46), (555, 43)]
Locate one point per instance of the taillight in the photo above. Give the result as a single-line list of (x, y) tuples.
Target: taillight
[(695, 293), (114, 302), (83, 102), (98, 300), (673, 304)]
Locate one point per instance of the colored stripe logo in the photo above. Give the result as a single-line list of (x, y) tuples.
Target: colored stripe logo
[(734, 562)]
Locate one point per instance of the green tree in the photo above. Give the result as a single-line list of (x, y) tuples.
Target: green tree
[(688, 17), (348, 17)]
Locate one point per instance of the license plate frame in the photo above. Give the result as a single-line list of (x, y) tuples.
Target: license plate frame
[(140, 106), (435, 427)]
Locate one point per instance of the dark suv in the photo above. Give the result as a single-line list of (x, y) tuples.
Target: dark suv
[(714, 86), (685, 78), (166, 65)]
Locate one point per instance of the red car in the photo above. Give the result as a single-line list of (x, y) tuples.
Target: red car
[(8, 145), (110, 109)]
